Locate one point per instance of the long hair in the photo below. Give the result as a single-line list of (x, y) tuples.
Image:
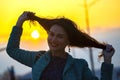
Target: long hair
[(76, 37)]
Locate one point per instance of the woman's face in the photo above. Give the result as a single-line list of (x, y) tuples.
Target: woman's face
[(57, 38)]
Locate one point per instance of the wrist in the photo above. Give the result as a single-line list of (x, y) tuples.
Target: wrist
[(19, 23), (107, 61)]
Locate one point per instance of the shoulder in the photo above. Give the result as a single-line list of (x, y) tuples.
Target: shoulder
[(81, 62), (80, 65), (39, 54)]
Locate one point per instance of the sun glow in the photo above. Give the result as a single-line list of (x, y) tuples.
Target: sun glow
[(35, 34), (101, 15)]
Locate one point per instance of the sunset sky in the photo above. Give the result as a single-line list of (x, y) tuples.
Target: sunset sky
[(104, 16)]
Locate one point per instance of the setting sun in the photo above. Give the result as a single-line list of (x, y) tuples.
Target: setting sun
[(101, 15), (35, 34), (103, 20)]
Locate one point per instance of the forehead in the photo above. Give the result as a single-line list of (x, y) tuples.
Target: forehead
[(57, 29)]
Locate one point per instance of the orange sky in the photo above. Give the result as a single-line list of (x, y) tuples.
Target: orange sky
[(104, 18), (103, 14)]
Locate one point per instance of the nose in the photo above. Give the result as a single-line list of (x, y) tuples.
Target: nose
[(54, 39)]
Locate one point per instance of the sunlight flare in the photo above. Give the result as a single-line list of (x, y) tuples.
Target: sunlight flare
[(35, 34)]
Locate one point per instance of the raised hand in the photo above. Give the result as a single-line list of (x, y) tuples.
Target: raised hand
[(26, 15), (108, 53)]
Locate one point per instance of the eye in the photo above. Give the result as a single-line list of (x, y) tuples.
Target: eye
[(60, 36), (51, 34)]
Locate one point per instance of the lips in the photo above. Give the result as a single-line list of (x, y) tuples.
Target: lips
[(54, 45)]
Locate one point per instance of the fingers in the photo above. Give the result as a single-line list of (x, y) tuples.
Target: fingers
[(108, 52), (30, 15), (27, 15), (28, 12), (109, 48)]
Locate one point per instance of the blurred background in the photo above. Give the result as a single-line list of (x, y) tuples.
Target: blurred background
[(98, 18)]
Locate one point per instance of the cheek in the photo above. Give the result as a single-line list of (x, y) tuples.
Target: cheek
[(64, 42), (58, 41)]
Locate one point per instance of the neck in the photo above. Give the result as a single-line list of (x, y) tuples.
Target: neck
[(61, 54)]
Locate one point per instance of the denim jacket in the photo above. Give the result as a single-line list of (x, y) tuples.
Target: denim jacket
[(75, 69)]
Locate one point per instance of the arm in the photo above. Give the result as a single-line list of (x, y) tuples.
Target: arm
[(13, 50), (106, 71), (24, 57), (106, 68), (87, 73)]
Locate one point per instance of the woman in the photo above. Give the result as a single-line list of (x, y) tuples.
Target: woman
[(56, 64)]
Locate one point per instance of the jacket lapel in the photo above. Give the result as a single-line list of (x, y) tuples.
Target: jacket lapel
[(68, 63), (40, 65), (44, 60)]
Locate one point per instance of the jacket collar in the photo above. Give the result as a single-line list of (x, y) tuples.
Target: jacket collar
[(40, 65), (69, 63), (44, 61)]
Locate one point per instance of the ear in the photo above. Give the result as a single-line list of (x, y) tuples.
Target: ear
[(69, 47)]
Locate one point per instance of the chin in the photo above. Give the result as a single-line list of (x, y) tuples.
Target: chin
[(54, 49)]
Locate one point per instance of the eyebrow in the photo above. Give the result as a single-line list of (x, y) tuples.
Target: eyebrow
[(59, 33)]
